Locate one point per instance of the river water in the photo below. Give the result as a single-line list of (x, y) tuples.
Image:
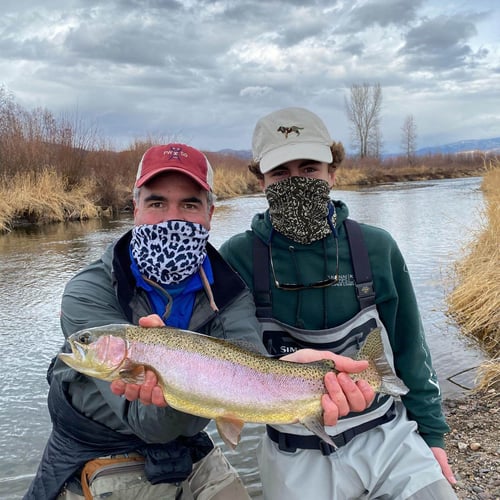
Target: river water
[(432, 221)]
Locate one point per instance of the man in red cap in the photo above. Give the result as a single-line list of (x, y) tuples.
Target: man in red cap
[(162, 271)]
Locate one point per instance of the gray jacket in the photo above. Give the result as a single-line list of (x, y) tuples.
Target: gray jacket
[(88, 419), (103, 293)]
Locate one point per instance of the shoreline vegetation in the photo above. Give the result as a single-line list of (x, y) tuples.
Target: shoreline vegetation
[(59, 170), (474, 302), (56, 170), (41, 183)]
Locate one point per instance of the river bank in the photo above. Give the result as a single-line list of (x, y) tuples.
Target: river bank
[(474, 303), (103, 188), (472, 445)]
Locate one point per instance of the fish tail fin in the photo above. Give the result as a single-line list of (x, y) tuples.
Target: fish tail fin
[(373, 351), (391, 384)]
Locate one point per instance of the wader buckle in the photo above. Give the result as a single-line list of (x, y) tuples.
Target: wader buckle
[(283, 443), (326, 448)]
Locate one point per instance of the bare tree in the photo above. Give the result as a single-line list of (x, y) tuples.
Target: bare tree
[(375, 142), (363, 111), (409, 138)]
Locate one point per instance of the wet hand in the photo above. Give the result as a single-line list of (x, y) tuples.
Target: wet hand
[(343, 394), (442, 458), (149, 392)]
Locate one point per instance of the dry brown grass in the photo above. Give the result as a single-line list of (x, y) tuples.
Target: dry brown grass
[(5, 214), (488, 377), (230, 183), (351, 177), (370, 171), (475, 301), (231, 176), (43, 197)]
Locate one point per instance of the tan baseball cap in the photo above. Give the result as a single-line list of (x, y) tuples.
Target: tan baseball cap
[(290, 134)]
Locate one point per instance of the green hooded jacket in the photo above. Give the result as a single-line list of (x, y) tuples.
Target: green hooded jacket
[(320, 308)]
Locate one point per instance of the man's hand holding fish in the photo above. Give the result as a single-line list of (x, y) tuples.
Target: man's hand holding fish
[(148, 392), (344, 394)]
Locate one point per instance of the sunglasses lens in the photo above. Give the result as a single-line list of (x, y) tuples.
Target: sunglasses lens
[(296, 286)]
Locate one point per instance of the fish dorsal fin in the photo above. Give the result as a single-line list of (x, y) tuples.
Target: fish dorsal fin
[(132, 373), (372, 346), (229, 429)]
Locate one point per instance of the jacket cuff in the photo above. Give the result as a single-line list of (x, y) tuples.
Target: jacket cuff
[(434, 440)]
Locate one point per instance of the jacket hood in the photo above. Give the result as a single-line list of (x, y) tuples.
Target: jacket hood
[(262, 227)]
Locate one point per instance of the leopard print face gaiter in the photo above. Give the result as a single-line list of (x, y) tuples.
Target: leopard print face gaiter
[(298, 207), (169, 252)]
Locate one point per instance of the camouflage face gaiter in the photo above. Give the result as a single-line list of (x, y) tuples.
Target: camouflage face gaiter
[(298, 207)]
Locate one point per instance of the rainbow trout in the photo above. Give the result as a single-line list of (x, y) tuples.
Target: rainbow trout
[(220, 380)]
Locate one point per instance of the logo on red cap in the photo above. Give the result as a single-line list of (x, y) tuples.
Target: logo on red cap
[(175, 153)]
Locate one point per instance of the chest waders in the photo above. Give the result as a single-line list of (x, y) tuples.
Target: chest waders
[(346, 339)]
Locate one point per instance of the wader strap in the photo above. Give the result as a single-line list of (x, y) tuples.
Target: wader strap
[(291, 442), (363, 279), (261, 281)]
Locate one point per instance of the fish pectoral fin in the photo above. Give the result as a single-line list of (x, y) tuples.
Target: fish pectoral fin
[(229, 430), (132, 373), (314, 423)]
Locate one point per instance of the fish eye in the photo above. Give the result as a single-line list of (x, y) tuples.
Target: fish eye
[(84, 338)]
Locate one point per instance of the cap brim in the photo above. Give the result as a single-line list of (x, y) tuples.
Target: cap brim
[(140, 182), (298, 151)]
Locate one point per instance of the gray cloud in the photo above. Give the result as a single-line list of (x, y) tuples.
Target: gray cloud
[(441, 43), (383, 13), (206, 70)]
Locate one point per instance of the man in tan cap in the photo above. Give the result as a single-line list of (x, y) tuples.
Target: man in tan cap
[(324, 281)]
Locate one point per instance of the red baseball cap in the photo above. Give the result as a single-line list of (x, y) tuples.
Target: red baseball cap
[(175, 158)]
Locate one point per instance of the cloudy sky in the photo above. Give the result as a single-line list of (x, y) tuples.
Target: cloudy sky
[(204, 71)]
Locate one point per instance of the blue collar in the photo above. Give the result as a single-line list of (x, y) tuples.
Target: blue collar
[(181, 295)]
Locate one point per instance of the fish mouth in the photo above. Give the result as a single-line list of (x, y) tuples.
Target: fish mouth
[(78, 350), (79, 357)]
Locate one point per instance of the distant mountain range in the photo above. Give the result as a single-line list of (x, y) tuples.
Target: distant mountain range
[(485, 145), (244, 154)]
